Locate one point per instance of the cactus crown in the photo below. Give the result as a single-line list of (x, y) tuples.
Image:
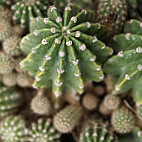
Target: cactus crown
[(13, 129), (43, 131), (127, 64), (64, 49)]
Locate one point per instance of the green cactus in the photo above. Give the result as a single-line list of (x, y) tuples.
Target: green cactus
[(115, 10), (96, 133), (26, 10), (13, 129), (9, 100), (61, 50), (5, 2), (67, 119), (123, 120), (43, 131), (126, 66)]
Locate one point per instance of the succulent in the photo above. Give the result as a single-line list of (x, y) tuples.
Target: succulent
[(112, 101), (139, 111), (67, 119), (43, 131), (5, 2), (13, 129), (113, 14), (63, 51), (9, 100), (126, 65), (123, 120), (40, 104), (90, 101), (26, 10)]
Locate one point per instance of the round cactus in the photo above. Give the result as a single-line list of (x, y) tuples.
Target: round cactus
[(67, 119), (65, 50), (9, 79), (6, 64), (40, 104), (114, 11), (9, 101), (123, 120), (13, 129), (26, 10), (139, 111), (112, 102), (43, 131), (96, 132), (103, 109), (90, 101), (5, 29), (11, 45), (126, 65)]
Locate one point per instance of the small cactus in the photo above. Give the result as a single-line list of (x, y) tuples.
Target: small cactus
[(112, 102), (26, 10), (123, 120), (9, 101), (40, 104), (126, 66), (104, 110), (43, 131), (65, 50), (90, 101), (67, 119), (13, 129)]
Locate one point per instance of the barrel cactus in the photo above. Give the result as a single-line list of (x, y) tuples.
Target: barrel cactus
[(67, 119), (113, 14), (43, 131), (126, 65), (25, 10), (63, 51), (123, 120), (13, 129)]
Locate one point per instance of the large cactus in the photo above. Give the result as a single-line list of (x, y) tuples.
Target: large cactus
[(63, 50), (26, 10), (127, 64)]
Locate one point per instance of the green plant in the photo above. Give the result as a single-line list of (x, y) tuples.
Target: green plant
[(13, 129), (126, 65), (43, 131), (67, 119), (123, 120), (63, 51), (26, 10)]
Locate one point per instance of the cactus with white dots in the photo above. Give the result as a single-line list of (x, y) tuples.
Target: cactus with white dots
[(123, 120), (43, 131), (126, 65), (13, 129), (66, 120), (26, 10), (96, 133), (10, 100), (62, 51), (113, 14)]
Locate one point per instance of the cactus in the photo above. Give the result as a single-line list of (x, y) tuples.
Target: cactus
[(104, 110), (126, 66), (139, 111), (96, 133), (43, 131), (64, 51), (67, 119), (115, 10), (26, 10), (112, 102), (13, 129), (9, 101), (5, 2), (40, 104), (90, 101), (123, 120)]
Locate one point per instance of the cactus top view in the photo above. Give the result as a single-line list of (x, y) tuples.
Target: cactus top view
[(126, 66), (62, 51)]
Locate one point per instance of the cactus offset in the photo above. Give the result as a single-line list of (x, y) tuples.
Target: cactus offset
[(64, 50), (126, 66), (43, 131)]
